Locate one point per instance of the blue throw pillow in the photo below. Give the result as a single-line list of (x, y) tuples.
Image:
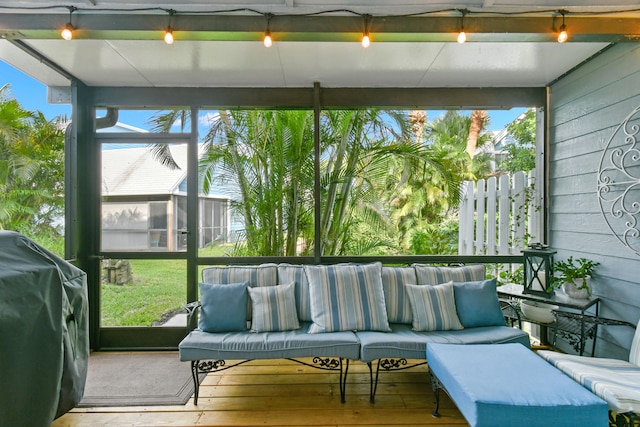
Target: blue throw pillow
[(477, 303), (224, 307)]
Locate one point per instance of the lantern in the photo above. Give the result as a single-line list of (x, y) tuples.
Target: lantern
[(538, 270)]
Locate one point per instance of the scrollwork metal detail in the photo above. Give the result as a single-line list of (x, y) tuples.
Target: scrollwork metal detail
[(388, 364), (327, 363), (619, 182), (210, 365)]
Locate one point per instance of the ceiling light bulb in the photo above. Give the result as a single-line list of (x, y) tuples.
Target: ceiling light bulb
[(67, 32), (168, 36), (462, 37), (267, 39), (366, 41), (563, 36)]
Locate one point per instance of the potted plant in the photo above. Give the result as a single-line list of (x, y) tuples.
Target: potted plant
[(574, 275)]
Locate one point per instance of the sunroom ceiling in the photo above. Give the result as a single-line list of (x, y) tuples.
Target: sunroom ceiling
[(119, 42)]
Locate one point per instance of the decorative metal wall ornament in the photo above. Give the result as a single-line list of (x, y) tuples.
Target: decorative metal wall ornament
[(619, 182)]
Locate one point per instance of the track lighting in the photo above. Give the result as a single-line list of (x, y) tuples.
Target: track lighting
[(168, 34), (67, 31), (562, 35), (366, 40), (268, 41), (462, 36)]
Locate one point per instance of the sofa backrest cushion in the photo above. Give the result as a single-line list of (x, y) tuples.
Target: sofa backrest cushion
[(224, 307), (346, 297), (255, 275), (434, 308), (477, 303), (288, 273), (273, 308), (634, 354), (395, 296), (428, 275)]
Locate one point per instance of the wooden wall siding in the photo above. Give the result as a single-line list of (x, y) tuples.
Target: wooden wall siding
[(586, 107)]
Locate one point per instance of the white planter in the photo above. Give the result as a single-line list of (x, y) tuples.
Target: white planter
[(574, 290), (538, 311)]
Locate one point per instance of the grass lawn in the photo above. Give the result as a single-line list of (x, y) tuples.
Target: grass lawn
[(157, 290)]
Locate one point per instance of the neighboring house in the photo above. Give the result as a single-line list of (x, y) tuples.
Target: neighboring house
[(144, 204), (496, 147)]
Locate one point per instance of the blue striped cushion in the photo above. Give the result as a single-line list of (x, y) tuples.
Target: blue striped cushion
[(434, 307), (346, 297), (395, 296), (428, 275), (613, 380), (634, 352), (288, 273), (274, 308), (257, 275)]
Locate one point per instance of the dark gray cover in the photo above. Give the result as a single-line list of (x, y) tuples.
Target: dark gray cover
[(44, 333)]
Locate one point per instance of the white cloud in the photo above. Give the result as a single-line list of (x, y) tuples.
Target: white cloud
[(208, 118)]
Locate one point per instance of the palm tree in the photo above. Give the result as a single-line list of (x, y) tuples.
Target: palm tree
[(431, 191), (269, 158), (268, 155), (31, 168)]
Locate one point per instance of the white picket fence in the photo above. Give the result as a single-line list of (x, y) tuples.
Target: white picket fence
[(500, 215)]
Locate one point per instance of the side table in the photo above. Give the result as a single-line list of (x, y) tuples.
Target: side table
[(571, 326)]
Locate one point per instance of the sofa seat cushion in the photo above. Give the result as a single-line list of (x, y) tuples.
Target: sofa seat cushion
[(199, 345), (403, 342), (613, 380)]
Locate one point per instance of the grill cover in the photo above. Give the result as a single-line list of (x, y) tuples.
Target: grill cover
[(44, 333)]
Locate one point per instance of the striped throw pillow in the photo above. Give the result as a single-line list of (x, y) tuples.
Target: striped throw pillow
[(346, 297), (434, 308), (274, 308)]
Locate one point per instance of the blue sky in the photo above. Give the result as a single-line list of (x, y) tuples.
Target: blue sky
[(32, 96)]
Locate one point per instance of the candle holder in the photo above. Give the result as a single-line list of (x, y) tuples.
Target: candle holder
[(538, 270)]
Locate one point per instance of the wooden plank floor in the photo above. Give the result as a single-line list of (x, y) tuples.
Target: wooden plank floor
[(284, 393)]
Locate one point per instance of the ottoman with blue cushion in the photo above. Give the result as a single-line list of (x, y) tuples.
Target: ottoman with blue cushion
[(508, 384)]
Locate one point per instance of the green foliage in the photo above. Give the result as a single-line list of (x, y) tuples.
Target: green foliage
[(521, 154), (31, 170), (570, 270), (512, 276), (440, 239)]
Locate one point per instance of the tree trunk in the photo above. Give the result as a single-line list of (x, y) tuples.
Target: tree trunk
[(478, 119)]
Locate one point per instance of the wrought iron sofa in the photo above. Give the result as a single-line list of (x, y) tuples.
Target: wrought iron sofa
[(334, 314), (615, 381)]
